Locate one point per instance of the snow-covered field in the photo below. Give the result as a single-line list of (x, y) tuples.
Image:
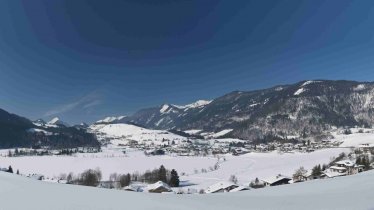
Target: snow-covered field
[(245, 167), (196, 171), (355, 139), (122, 133), (350, 192), (108, 161), (262, 165)]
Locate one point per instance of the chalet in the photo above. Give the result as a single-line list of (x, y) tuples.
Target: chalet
[(277, 180), (159, 187), (221, 187), (350, 166), (342, 168)]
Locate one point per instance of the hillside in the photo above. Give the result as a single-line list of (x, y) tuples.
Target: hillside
[(122, 133), (307, 108), (351, 192), (16, 131)]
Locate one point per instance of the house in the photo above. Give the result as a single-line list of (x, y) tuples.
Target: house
[(107, 184), (277, 180), (159, 187), (342, 168), (350, 166), (221, 187)]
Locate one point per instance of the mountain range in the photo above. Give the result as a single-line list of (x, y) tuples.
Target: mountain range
[(301, 110), (16, 131)]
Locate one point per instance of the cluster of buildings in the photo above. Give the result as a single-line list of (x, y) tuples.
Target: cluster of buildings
[(197, 147)]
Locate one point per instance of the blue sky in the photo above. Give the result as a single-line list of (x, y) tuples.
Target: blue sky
[(83, 60)]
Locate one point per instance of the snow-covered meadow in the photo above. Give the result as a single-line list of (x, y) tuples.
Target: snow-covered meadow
[(245, 167), (196, 171)]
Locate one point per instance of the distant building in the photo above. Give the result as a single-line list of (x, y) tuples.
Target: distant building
[(159, 187), (277, 180), (221, 187), (342, 168)]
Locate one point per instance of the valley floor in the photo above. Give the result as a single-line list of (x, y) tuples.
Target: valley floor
[(350, 192), (245, 167)]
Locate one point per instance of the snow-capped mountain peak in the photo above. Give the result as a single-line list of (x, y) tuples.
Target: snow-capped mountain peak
[(39, 122), (56, 122), (110, 120), (164, 108), (196, 104)]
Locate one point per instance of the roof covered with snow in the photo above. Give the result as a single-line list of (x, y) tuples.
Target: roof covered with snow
[(219, 186)]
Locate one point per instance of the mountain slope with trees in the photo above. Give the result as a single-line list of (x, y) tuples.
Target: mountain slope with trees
[(307, 108), (16, 131)]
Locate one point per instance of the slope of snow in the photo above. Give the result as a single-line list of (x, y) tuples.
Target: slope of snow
[(197, 104), (299, 91), (125, 132), (309, 82), (37, 130), (355, 139), (164, 108), (359, 87), (55, 122), (350, 192), (193, 131), (221, 133)]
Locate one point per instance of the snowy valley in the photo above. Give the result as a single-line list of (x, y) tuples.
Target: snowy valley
[(193, 149)]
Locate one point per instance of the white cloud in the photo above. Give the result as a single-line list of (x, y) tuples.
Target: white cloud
[(88, 101)]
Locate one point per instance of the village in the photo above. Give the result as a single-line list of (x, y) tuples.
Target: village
[(204, 147)]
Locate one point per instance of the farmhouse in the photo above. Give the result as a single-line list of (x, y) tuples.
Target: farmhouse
[(221, 187), (277, 180), (159, 187)]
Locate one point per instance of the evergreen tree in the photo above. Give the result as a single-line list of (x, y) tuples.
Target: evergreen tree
[(162, 174), (125, 180), (174, 179), (17, 172), (10, 169), (316, 171)]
